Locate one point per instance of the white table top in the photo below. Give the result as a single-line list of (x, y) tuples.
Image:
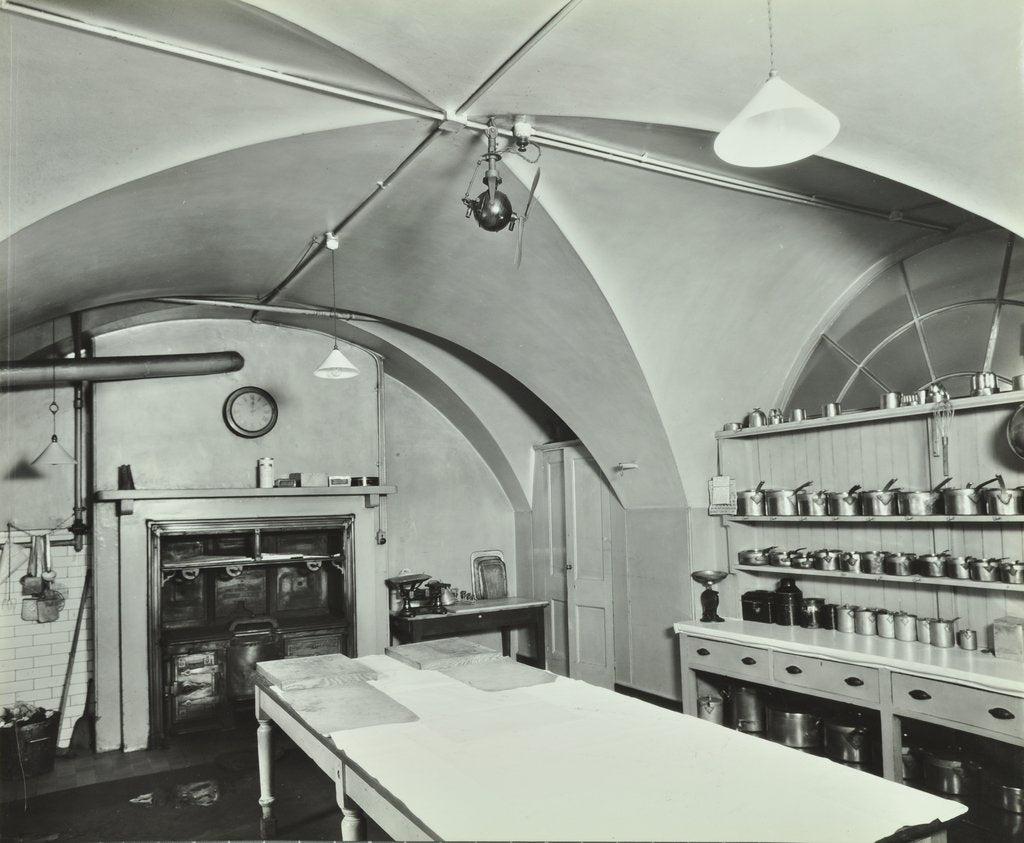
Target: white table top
[(569, 761), (949, 664)]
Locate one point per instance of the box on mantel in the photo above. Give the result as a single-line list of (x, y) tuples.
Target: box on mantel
[(309, 478), (1008, 638)]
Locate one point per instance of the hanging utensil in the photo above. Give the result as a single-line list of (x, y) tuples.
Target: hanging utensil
[(32, 583), (48, 575), (6, 554), (48, 606)]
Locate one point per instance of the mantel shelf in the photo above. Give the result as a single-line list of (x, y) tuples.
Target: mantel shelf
[(126, 498), (882, 519), (783, 571), (863, 416)]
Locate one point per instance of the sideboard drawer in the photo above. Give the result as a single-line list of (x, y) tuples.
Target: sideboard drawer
[(844, 680), (734, 659), (980, 708)]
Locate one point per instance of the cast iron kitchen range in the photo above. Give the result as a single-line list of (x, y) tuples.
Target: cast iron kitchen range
[(229, 594)]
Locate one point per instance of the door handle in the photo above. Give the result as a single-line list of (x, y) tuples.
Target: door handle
[(793, 669), (853, 681), (920, 695), (568, 566)]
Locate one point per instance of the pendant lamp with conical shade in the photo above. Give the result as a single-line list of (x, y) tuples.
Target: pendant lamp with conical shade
[(54, 453), (336, 365), (778, 126)]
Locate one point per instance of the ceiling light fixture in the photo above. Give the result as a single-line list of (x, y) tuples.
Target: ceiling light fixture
[(778, 126), (54, 453), (336, 365)]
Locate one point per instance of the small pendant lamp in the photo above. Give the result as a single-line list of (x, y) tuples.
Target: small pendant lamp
[(778, 126), (54, 453), (336, 365)]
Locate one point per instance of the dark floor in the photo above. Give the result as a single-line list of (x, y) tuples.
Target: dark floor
[(90, 797)]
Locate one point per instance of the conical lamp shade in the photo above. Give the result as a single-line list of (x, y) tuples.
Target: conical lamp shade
[(54, 454), (336, 365), (777, 126)]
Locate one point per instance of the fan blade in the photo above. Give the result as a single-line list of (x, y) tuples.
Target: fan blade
[(519, 245), (533, 190)]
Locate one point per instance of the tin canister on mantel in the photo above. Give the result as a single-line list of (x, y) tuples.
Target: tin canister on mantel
[(885, 624), (265, 473)]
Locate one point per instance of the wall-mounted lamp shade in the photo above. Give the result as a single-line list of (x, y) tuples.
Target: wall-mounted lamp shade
[(54, 454), (336, 365), (777, 126)]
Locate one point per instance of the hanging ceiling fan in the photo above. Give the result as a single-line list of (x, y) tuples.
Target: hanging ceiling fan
[(492, 209)]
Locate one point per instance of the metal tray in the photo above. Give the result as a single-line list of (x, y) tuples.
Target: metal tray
[(489, 576)]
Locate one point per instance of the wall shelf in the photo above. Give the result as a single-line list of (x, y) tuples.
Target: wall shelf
[(915, 579), (863, 416), (882, 519)]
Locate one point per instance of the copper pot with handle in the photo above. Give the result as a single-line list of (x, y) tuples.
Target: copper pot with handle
[(915, 502), (1001, 500), (750, 501), (843, 503), (878, 501), (783, 501), (811, 503), (965, 501)]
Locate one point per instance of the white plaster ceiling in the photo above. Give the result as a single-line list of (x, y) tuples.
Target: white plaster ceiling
[(648, 310)]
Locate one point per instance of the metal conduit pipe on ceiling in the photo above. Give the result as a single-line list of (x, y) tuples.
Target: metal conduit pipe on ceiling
[(557, 141), (16, 373)]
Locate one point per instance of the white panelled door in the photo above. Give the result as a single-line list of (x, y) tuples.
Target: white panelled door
[(573, 563)]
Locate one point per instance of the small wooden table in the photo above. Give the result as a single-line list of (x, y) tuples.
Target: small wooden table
[(503, 613)]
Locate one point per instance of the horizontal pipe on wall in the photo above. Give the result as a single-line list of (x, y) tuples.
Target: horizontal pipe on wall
[(17, 373)]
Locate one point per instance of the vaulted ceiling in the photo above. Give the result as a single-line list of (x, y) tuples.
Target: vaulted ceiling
[(182, 148)]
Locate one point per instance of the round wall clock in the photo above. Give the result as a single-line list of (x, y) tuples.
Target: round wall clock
[(250, 412)]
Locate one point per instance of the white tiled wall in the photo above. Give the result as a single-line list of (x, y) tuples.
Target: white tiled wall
[(34, 656)]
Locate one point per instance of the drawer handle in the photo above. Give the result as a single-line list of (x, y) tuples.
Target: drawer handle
[(703, 652), (1001, 713), (793, 669), (853, 681), (748, 660), (918, 694)]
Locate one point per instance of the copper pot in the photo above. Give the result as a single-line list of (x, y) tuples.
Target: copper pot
[(878, 501), (843, 503)]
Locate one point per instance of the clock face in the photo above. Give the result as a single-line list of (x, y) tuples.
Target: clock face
[(250, 412)]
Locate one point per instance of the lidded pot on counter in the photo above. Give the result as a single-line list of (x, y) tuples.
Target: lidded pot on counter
[(787, 602), (811, 611), (885, 624), (845, 618), (864, 620), (905, 626)]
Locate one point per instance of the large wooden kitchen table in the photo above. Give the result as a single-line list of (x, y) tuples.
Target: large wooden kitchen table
[(501, 613), (569, 761)]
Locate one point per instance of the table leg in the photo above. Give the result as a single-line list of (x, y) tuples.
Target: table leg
[(539, 643), (268, 825), (506, 641), (353, 824)]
